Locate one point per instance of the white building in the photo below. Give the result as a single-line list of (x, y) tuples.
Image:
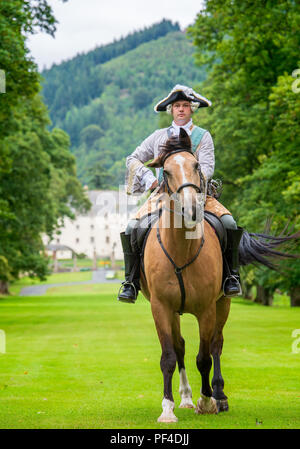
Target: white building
[(97, 232)]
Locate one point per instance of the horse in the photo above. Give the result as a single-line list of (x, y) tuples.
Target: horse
[(182, 273)]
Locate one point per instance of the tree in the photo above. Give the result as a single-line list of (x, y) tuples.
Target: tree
[(19, 18), (38, 182), (89, 135), (141, 98), (98, 177), (40, 189), (251, 49)]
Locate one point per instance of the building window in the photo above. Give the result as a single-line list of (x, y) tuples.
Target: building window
[(92, 239), (57, 241), (77, 240), (77, 227), (92, 226), (107, 239)]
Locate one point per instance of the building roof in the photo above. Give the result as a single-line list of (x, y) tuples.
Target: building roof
[(58, 247)]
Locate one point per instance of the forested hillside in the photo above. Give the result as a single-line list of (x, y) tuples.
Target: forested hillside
[(104, 100), (77, 81)]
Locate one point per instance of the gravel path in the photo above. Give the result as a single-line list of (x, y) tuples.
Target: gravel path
[(98, 277)]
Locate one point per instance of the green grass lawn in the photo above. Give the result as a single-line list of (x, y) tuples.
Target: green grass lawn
[(88, 263), (87, 361)]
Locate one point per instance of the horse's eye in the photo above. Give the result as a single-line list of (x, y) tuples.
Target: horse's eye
[(197, 166), (166, 173)]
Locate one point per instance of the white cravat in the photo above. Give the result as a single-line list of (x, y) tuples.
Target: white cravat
[(187, 127)]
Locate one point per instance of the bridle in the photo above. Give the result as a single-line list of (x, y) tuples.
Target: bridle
[(178, 270), (199, 189), (186, 184)]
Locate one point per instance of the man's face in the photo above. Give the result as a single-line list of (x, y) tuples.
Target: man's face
[(182, 112)]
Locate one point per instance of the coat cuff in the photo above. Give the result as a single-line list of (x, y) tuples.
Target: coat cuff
[(148, 179)]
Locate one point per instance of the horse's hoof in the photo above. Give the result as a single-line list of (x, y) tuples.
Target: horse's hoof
[(222, 405), (187, 403), (167, 419), (206, 405), (167, 415)]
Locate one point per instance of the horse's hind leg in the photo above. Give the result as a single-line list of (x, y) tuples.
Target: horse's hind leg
[(206, 403), (163, 318), (185, 390), (222, 311)]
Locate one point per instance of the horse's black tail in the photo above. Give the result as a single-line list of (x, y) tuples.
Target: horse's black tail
[(258, 248)]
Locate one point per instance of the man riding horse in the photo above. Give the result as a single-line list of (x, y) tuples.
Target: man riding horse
[(181, 103)]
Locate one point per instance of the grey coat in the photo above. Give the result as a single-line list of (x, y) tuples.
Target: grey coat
[(140, 178)]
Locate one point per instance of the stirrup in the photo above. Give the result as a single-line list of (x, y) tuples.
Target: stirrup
[(236, 278), (129, 300)]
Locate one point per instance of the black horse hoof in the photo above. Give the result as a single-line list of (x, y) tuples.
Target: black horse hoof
[(222, 405)]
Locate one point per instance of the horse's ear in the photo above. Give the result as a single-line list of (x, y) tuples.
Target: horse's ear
[(182, 133), (184, 138), (155, 163)]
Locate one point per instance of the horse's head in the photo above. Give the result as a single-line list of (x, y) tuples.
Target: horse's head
[(182, 176)]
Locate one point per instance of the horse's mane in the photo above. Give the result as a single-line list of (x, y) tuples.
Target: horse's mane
[(176, 143)]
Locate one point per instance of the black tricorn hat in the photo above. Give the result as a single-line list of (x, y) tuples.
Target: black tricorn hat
[(180, 92)]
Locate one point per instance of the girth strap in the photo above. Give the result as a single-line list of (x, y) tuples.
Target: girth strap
[(178, 270)]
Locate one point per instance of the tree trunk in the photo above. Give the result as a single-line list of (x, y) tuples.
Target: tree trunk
[(263, 296), (295, 296), (94, 260), (55, 263), (74, 262), (4, 288), (247, 291)]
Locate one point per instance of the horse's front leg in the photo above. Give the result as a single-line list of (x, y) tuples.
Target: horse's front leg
[(163, 322), (222, 308), (185, 390), (206, 403)]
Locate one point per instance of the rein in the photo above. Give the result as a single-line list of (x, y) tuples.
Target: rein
[(178, 270)]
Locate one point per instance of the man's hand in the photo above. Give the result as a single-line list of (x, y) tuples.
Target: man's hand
[(154, 185)]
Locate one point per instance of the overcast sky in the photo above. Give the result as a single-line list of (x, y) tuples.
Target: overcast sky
[(86, 24)]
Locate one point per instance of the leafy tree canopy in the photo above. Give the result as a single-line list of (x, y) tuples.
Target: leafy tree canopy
[(252, 49), (38, 182)]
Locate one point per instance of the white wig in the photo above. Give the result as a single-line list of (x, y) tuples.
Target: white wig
[(194, 107)]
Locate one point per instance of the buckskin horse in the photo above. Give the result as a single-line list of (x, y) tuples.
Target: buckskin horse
[(184, 275)]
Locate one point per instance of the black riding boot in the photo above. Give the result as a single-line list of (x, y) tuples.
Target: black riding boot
[(130, 287), (231, 278)]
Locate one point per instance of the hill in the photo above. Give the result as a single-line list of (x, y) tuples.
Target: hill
[(111, 120)]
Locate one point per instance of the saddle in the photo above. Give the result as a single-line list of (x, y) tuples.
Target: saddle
[(141, 230)]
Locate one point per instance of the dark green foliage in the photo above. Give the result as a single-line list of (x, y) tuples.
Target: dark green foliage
[(98, 177), (252, 48), (38, 182), (89, 135)]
